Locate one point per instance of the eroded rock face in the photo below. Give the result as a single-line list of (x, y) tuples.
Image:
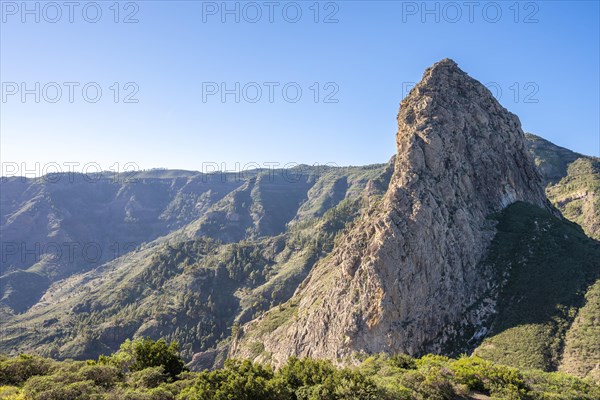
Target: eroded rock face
[(411, 269)]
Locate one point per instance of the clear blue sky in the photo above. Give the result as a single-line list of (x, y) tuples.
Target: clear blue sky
[(370, 55)]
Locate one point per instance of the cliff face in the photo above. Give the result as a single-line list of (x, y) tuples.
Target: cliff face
[(410, 270)]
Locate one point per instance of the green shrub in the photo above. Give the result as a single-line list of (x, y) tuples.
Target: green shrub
[(378, 377), (148, 378), (403, 361), (240, 380), (145, 353), (47, 388), (105, 376), (15, 371), (433, 383), (318, 379), (481, 375), (11, 393)]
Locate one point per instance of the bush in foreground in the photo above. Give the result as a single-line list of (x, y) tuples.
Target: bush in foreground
[(146, 369)]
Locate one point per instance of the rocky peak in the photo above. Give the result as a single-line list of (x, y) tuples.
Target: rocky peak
[(451, 126), (404, 277)]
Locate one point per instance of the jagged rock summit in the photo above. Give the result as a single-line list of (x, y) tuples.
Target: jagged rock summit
[(409, 275)]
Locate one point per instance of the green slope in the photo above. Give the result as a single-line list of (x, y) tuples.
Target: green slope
[(577, 195), (548, 264), (195, 291)]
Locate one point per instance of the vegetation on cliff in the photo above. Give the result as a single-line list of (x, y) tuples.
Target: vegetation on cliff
[(146, 369)]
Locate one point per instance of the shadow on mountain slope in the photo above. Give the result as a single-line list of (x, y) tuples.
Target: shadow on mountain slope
[(548, 265)]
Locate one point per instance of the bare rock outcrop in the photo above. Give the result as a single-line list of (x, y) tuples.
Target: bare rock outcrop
[(410, 270)]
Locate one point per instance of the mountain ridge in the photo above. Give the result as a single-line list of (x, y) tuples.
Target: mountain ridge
[(212, 256)]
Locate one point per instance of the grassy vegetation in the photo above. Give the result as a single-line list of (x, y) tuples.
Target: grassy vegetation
[(276, 317), (577, 195), (582, 344), (550, 264), (146, 369)]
